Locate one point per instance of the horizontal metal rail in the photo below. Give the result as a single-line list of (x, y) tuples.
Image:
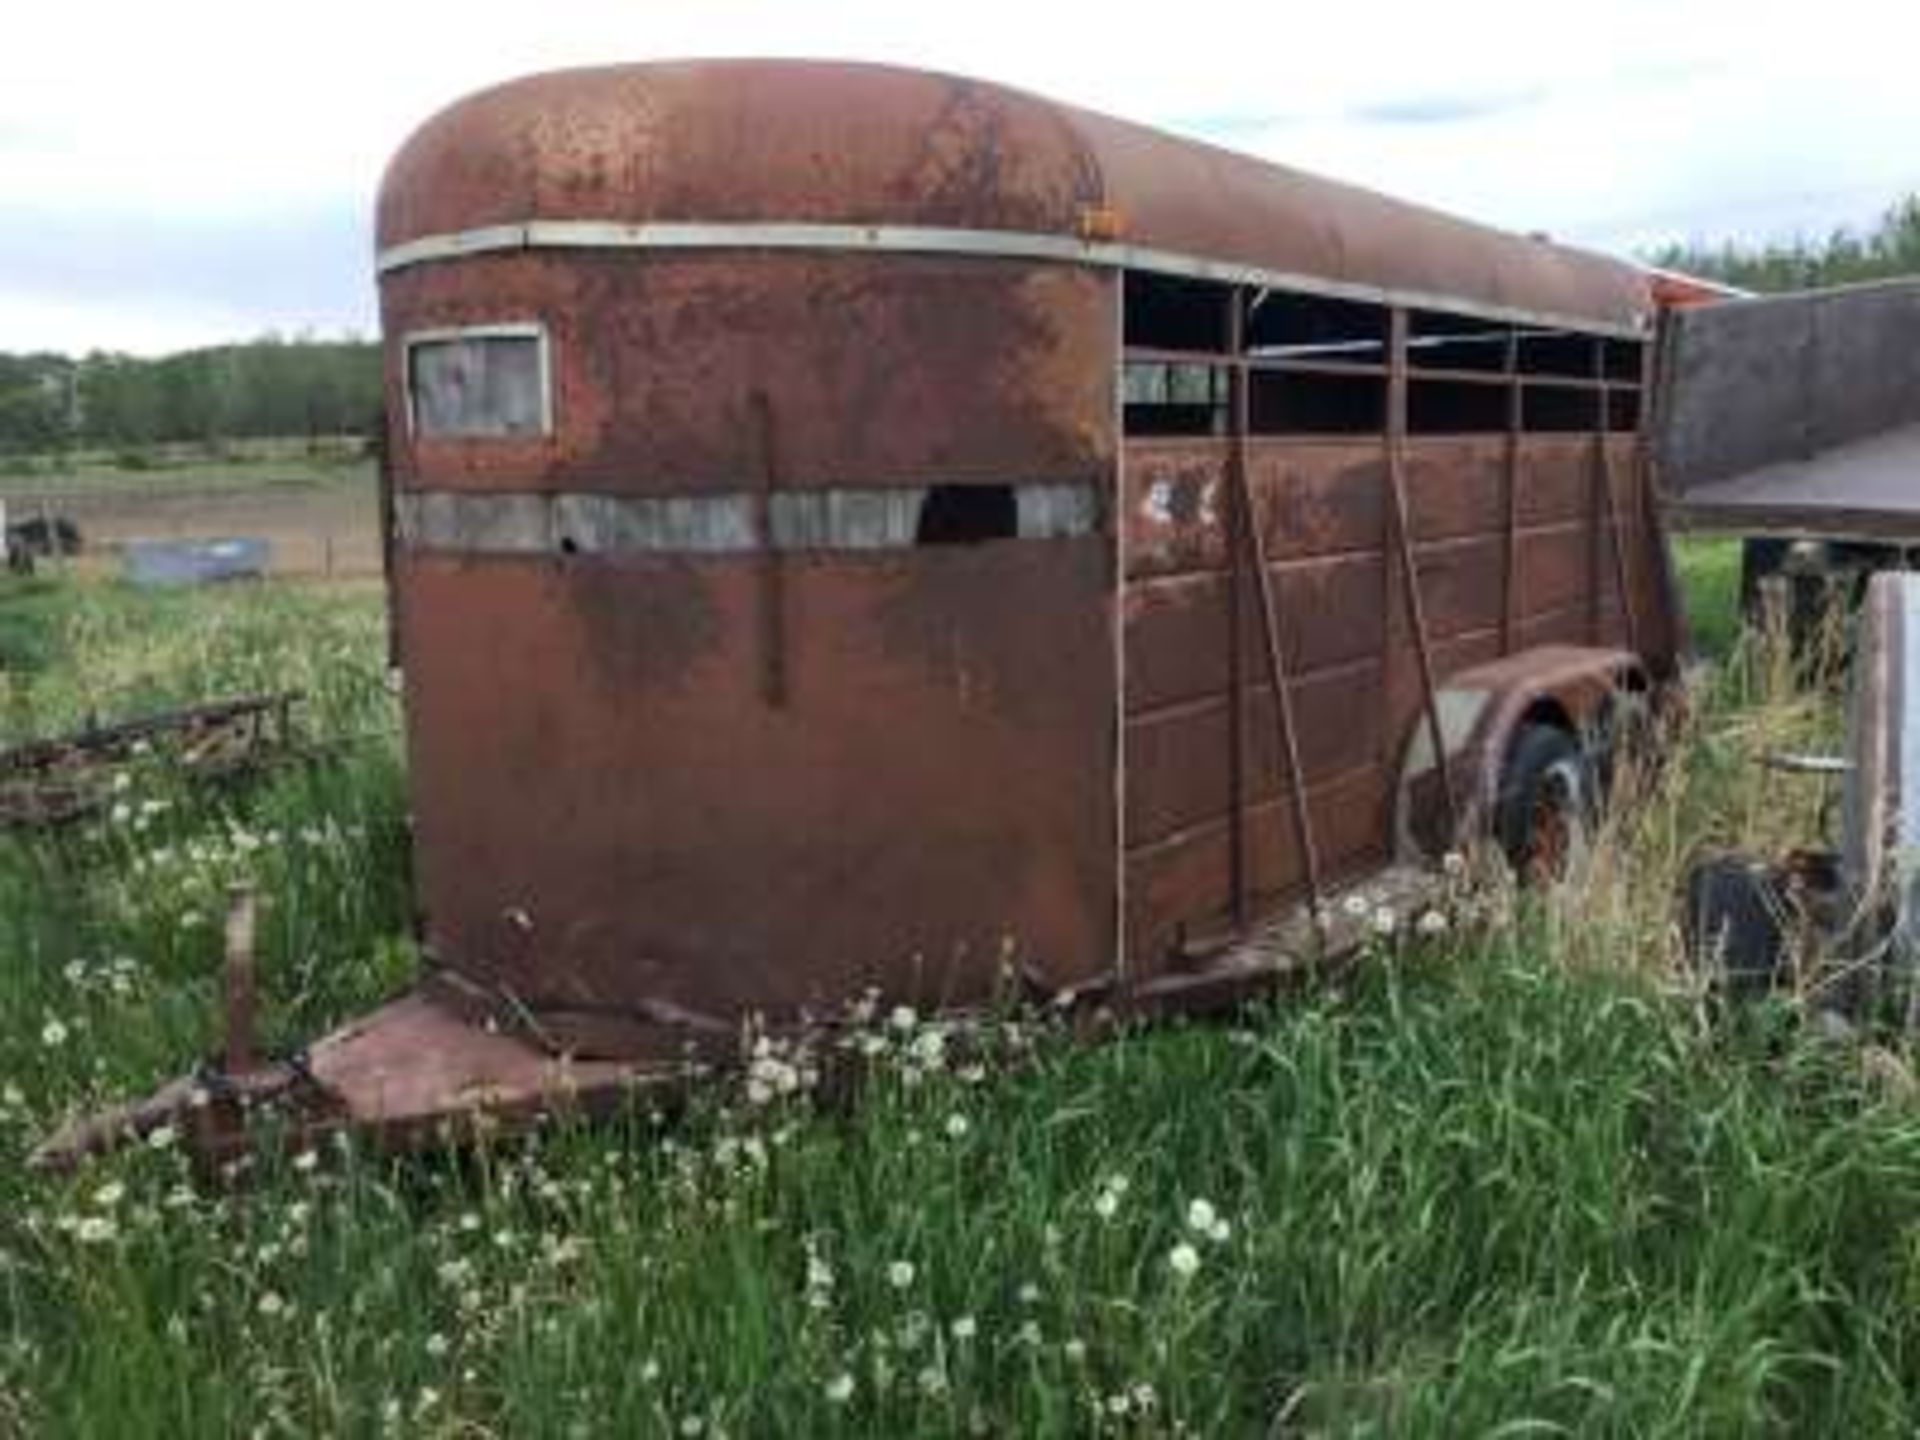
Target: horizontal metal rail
[(939, 240)]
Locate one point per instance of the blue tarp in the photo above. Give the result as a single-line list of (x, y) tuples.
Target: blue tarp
[(195, 562)]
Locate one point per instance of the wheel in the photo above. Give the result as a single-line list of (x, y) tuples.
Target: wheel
[(1544, 818), (1735, 923)]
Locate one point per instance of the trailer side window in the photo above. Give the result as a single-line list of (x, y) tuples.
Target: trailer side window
[(1318, 364), (1283, 402), (481, 383), (1172, 312), (1286, 325)]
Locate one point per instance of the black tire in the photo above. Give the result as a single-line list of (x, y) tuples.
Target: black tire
[(1734, 924), (1544, 818)]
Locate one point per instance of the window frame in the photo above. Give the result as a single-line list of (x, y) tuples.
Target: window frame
[(534, 330)]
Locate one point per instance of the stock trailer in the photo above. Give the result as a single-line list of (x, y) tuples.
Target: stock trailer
[(855, 530)]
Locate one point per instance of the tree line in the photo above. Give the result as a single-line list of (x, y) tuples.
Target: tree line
[(264, 388), (1889, 247), (274, 387)]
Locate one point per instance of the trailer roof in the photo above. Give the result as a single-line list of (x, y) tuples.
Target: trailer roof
[(697, 152)]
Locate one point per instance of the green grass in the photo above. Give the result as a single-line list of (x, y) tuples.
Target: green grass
[(1510, 1181), (240, 465), (1708, 568)]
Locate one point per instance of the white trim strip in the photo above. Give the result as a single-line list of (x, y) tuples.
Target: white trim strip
[(932, 240)]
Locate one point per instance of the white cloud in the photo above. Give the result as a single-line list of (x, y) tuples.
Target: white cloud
[(1618, 123)]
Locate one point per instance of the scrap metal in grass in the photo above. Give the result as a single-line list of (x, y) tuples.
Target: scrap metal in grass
[(64, 778)]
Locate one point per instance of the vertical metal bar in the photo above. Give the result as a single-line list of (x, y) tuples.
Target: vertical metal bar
[(239, 1053), (1283, 702), (1410, 574), (1510, 538), (772, 602), (1119, 510), (1655, 355), (1269, 621), (1612, 508), (1239, 523), (1595, 509), (383, 470)]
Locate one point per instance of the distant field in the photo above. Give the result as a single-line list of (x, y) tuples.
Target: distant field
[(317, 504)]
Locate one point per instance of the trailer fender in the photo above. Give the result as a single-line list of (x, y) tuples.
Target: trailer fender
[(1481, 711)]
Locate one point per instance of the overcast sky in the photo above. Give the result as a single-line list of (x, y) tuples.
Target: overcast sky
[(191, 171)]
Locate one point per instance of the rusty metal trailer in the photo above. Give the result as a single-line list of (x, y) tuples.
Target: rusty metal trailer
[(1793, 421), (856, 529)]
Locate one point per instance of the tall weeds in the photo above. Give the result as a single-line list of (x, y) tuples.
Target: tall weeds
[(1508, 1180)]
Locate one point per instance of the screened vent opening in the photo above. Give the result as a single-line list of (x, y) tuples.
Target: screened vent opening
[(1279, 403), (1283, 325), (478, 384), (1455, 407), (967, 515), (1438, 341), (1167, 312)]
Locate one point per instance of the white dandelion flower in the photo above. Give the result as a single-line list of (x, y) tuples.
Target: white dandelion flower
[(1184, 1260), (900, 1274), (840, 1388)]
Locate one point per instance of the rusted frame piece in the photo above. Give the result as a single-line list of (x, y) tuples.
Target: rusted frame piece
[(1239, 523), (1255, 551), (106, 740), (1610, 508), (1510, 532), (1403, 542)]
